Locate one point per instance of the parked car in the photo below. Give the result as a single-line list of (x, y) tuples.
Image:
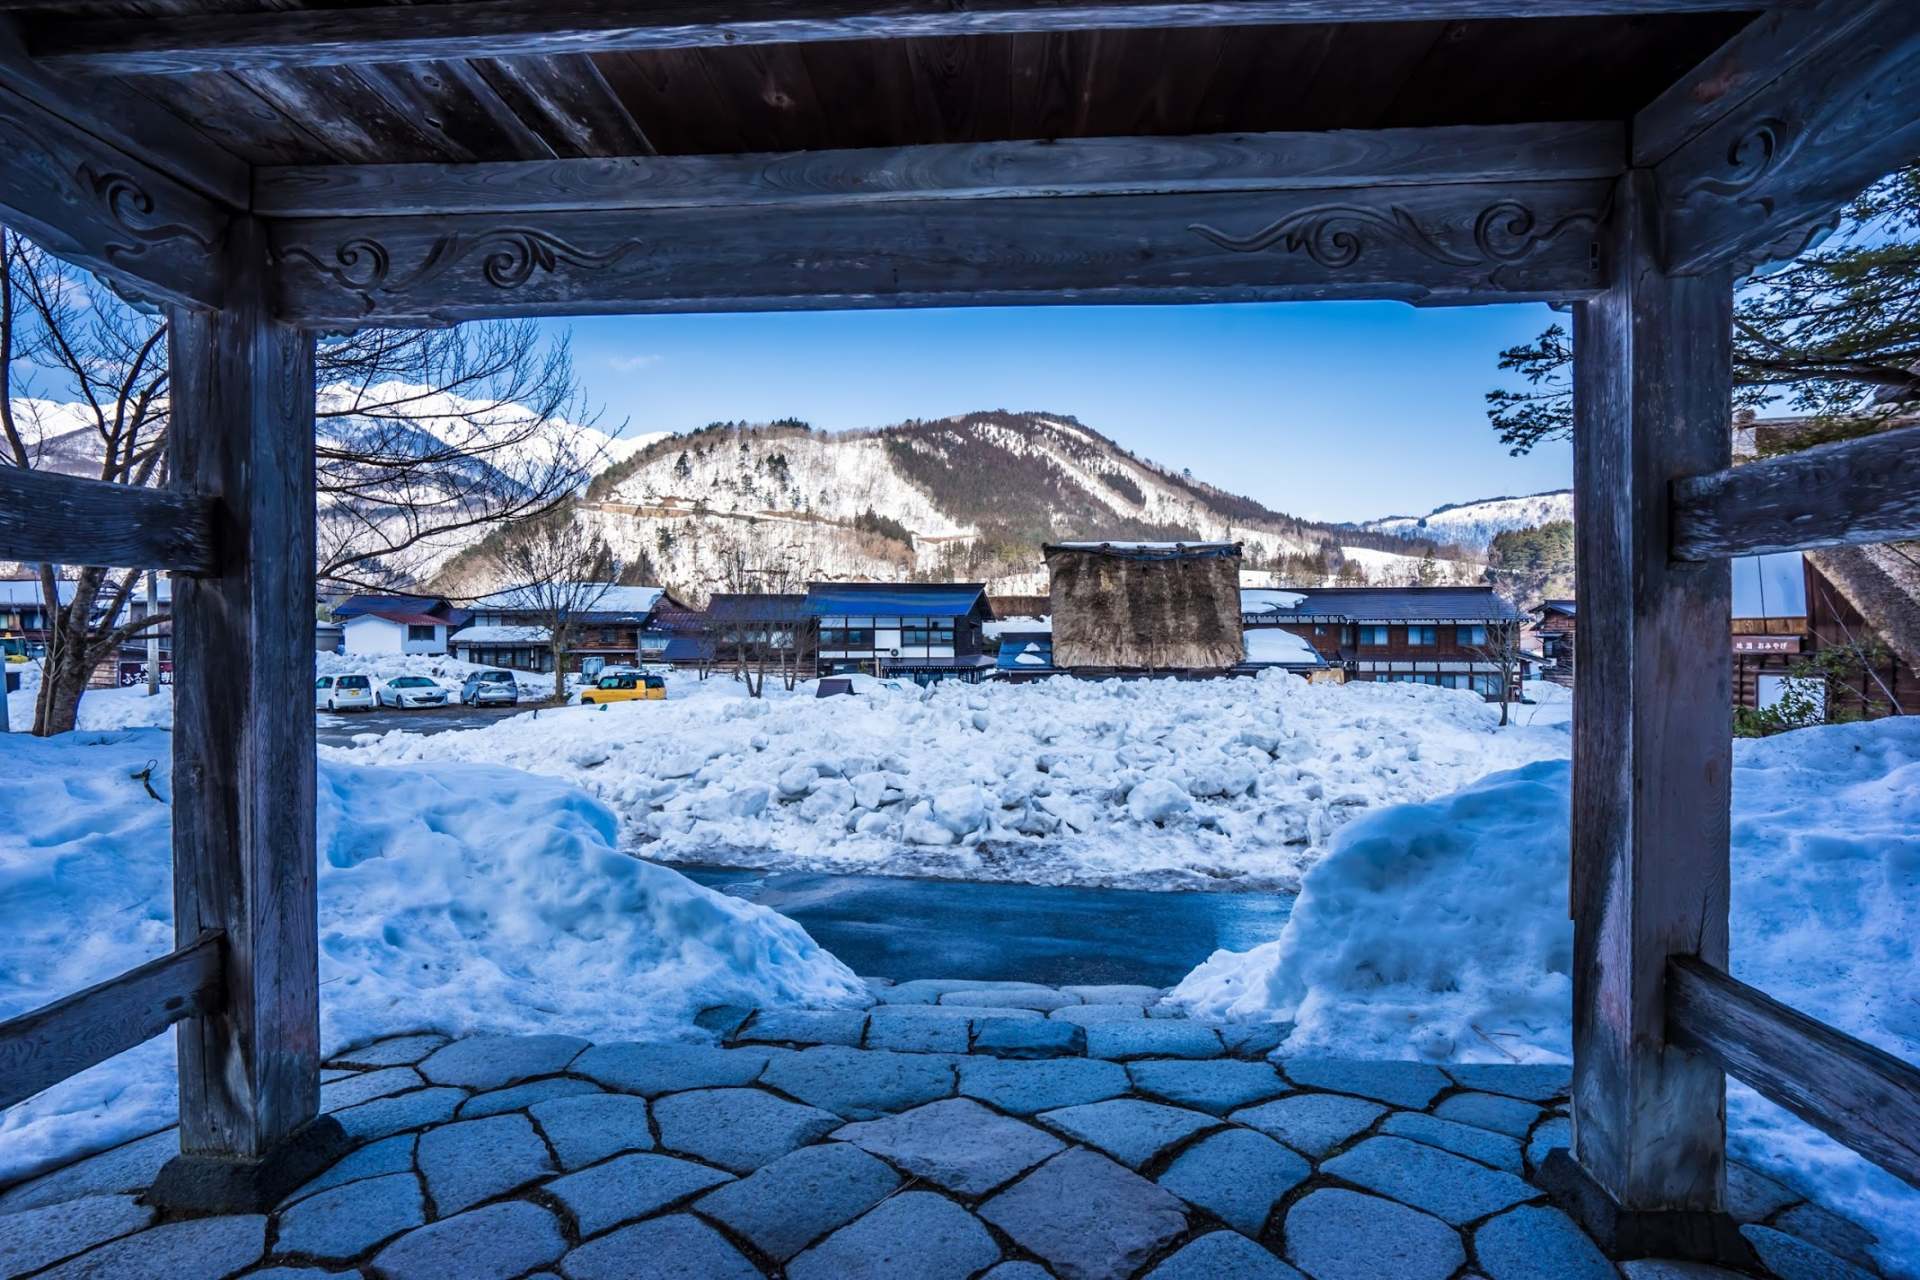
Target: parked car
[(344, 693), (483, 687), (408, 692), (624, 686)]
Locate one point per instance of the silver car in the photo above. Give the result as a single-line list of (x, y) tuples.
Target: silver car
[(410, 692), (484, 687)]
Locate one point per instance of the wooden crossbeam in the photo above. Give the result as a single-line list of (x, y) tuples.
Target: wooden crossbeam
[(1852, 1092), (46, 1046), (1760, 148), (959, 171), (181, 44), (1443, 243), (1832, 495), (48, 518)]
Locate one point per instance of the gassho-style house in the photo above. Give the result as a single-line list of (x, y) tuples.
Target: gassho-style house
[(267, 173)]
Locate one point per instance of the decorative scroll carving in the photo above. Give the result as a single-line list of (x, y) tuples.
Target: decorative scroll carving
[(507, 258), (132, 209), (1750, 156), (1333, 235)]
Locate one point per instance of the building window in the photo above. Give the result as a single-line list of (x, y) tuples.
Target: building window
[(1476, 634), (1373, 637), (1489, 686), (926, 633), (1421, 635), (846, 639), (417, 632)]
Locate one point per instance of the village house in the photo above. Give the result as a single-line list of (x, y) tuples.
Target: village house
[(923, 630), (26, 627), (375, 625), (1445, 636), (1553, 622), (511, 628)]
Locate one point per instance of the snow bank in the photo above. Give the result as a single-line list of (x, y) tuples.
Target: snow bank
[(1440, 931), (458, 897), (119, 708), (1074, 778)]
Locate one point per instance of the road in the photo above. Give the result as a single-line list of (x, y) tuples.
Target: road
[(338, 729), (916, 928)]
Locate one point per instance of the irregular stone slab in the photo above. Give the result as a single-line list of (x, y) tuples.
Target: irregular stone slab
[(1535, 1243), (631, 1186), (806, 1026), (1829, 1231), (916, 1234), (722, 1019), (494, 1243), (476, 1160), (349, 1220), (389, 1155), (1237, 1176), (1117, 993), (591, 1127), (1223, 1256), (1149, 1038), (1254, 1039), (1039, 998), (1217, 1086), (365, 1086), (672, 1248), (1342, 1235), (1088, 1014), (493, 1062), (1035, 1038), (1668, 1269), (738, 1129), (888, 1028), (956, 1144), (1025, 1088), (1510, 1116), (521, 1096), (1087, 1217), (1533, 1081), (1311, 1123), (129, 1167), (1017, 1271), (1404, 1084), (653, 1069), (395, 1051), (197, 1249), (860, 1083), (1557, 1131), (1488, 1148), (953, 1012), (1130, 1130), (300, 1273), (1788, 1257), (1448, 1186), (800, 1197), (1751, 1195), (929, 990), (384, 1117), (34, 1238)]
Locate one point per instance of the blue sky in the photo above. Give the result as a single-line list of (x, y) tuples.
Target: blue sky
[(1333, 410)]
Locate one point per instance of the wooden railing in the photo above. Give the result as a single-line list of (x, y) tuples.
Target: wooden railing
[(48, 517)]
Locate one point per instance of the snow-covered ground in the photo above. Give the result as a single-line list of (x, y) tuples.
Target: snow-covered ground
[(1162, 784), (1440, 931), (463, 897)]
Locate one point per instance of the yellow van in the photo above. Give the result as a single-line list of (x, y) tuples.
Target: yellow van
[(624, 686)]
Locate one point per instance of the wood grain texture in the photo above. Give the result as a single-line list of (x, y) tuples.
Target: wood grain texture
[(1448, 243), (962, 171), (1851, 1091), (48, 518), (1652, 733), (243, 738), (1760, 182), (44, 1047), (1832, 495), (512, 28), (103, 209)]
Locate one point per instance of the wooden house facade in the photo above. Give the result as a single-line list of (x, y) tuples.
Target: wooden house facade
[(1450, 637), (924, 631), (266, 172)]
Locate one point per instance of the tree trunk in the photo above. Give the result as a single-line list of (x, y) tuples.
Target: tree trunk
[(62, 683), (558, 645)]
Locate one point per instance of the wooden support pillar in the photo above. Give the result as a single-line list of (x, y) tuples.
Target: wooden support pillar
[(243, 745), (1652, 746)]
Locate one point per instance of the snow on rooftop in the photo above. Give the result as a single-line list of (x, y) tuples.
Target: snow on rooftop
[(1269, 600), (1018, 624), (588, 597), (500, 635), (1272, 645)]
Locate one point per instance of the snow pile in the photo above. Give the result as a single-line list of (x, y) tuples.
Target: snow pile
[(1075, 781), (118, 708), (1440, 930), (459, 897)]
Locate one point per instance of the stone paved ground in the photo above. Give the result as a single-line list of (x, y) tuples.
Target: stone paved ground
[(956, 1129)]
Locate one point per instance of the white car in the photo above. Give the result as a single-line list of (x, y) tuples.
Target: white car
[(409, 692), (351, 692)]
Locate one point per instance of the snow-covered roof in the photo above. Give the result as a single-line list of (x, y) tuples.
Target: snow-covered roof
[(1268, 600), (1018, 624), (1273, 646), (1396, 604), (1148, 550), (399, 617), (500, 635), (1771, 586), (1025, 653), (895, 599), (591, 597)]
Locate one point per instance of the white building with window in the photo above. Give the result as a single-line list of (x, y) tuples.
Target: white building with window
[(389, 632)]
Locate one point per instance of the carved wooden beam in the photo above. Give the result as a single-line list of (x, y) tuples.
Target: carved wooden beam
[(957, 171), (180, 44), (103, 209), (1448, 243), (1815, 107)]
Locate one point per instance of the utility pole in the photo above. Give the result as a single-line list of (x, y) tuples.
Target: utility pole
[(153, 633)]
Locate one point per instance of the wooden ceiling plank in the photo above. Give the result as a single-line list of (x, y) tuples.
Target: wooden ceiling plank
[(576, 109), (186, 44), (972, 171)]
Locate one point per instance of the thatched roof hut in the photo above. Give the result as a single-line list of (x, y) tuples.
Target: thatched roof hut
[(1145, 606)]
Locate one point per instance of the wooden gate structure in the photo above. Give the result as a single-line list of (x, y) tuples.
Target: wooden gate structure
[(267, 171)]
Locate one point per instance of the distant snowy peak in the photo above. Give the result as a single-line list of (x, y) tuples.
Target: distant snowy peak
[(1473, 524)]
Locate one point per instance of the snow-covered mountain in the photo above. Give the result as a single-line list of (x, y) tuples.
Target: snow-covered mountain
[(1473, 524)]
